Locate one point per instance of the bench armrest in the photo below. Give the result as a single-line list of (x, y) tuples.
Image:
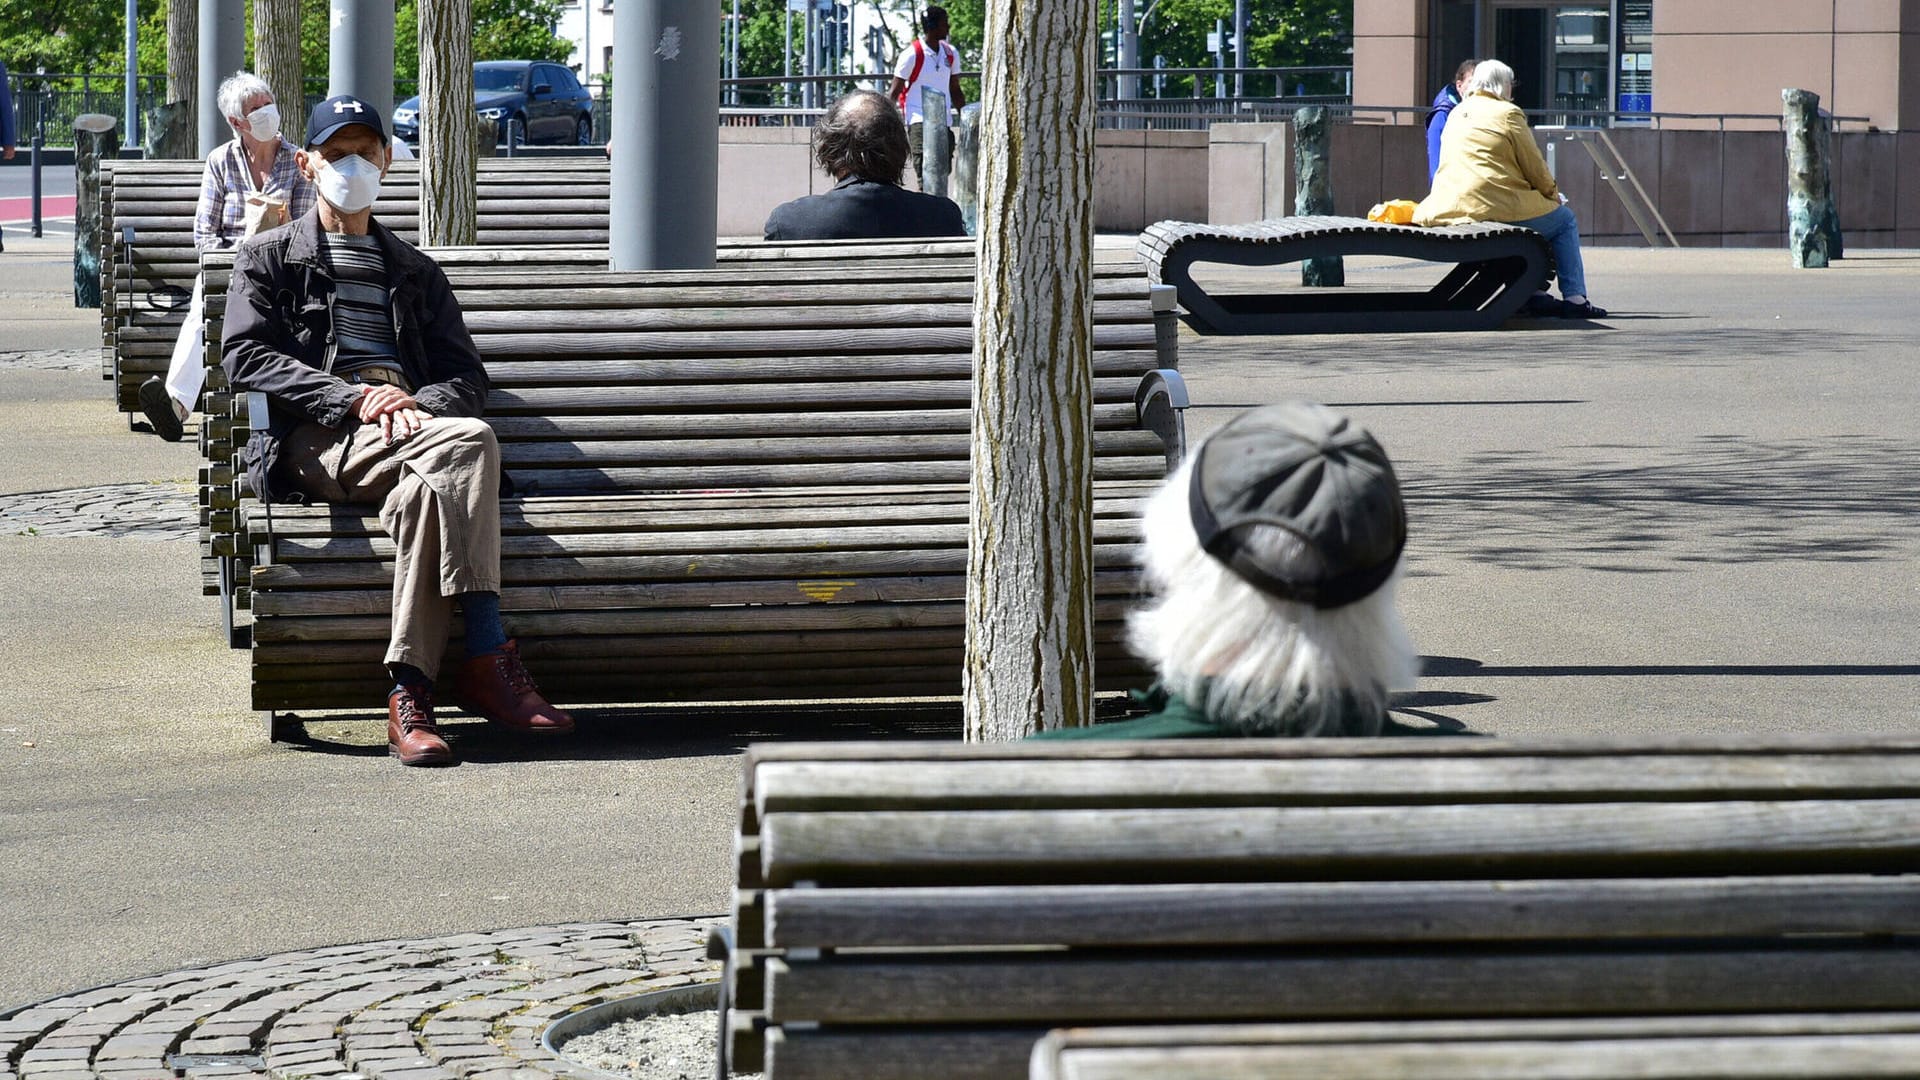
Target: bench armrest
[(1161, 402)]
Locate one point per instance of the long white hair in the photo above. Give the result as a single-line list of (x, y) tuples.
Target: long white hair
[(1494, 77), (1254, 663)]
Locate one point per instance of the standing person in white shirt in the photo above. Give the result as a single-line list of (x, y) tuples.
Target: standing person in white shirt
[(931, 62)]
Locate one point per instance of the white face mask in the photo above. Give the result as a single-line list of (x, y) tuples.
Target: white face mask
[(349, 184), (264, 122)]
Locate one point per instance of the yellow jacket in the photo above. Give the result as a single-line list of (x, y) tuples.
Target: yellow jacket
[(1490, 167)]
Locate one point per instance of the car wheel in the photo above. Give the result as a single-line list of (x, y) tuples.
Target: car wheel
[(583, 131)]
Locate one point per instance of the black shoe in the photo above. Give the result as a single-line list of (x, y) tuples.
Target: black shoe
[(1582, 310), (158, 405), (1540, 305)]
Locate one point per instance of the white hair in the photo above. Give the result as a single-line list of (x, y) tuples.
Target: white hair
[(1252, 662), (236, 89), (1494, 77)]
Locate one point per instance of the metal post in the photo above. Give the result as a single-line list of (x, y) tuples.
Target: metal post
[(733, 66), (1239, 48), (1220, 58), (132, 123), (786, 56), (39, 141), (360, 53), (222, 47), (1129, 57), (666, 148), (809, 61)]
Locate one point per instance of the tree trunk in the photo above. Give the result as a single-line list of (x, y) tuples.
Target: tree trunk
[(1809, 182), (276, 56), (1029, 662), (1313, 164), (183, 54), (447, 190)]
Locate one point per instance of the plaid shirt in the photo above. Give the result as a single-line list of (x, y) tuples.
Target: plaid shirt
[(224, 188)]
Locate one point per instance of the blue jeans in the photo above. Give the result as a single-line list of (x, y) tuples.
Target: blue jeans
[(1563, 236)]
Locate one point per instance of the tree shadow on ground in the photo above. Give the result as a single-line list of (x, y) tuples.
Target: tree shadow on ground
[(1720, 499)]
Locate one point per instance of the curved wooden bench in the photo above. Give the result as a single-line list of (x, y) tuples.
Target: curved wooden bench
[(929, 910), (149, 261), (729, 485), (1496, 267)]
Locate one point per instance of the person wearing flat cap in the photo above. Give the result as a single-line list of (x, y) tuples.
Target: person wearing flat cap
[(375, 391), (1274, 554)]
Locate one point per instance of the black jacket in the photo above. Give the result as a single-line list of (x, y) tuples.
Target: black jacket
[(279, 338), (862, 209)]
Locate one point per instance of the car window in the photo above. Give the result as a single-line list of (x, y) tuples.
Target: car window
[(563, 80), (497, 79)]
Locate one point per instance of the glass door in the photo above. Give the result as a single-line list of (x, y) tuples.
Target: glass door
[(1558, 50)]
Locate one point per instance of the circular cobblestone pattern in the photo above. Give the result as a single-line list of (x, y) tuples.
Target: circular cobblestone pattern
[(142, 511), (468, 1006), (51, 360)]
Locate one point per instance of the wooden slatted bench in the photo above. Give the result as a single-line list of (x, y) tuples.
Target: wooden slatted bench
[(1496, 268), (477, 269), (1840, 1046), (930, 910), (148, 261), (728, 488)]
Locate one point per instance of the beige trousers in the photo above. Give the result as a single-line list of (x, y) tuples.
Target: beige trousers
[(439, 498)]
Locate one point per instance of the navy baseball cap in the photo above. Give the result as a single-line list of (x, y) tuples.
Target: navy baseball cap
[(339, 111)]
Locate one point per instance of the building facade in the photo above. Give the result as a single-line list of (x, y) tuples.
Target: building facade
[(1612, 61)]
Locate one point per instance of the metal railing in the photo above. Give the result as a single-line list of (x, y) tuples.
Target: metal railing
[(1595, 118)]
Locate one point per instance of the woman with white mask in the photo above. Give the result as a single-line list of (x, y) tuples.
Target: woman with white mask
[(251, 183)]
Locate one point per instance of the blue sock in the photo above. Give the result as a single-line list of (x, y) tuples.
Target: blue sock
[(408, 675), (484, 632)]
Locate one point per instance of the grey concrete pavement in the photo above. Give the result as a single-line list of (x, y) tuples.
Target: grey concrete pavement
[(1693, 516)]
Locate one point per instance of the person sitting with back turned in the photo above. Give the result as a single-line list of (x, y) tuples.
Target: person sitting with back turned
[(1274, 554), (1443, 102), (862, 143), (1491, 169), (374, 390)]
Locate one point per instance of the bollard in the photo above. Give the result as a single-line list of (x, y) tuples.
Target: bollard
[(1313, 164), (1809, 180), (966, 168), (96, 138), (35, 157), (936, 142)]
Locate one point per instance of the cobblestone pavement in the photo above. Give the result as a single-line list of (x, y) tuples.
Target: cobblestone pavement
[(468, 1006), (145, 511)]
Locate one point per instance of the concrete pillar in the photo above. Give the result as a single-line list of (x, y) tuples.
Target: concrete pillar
[(666, 124), (360, 55), (222, 50)]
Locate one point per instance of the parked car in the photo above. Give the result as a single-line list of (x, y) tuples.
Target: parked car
[(540, 102)]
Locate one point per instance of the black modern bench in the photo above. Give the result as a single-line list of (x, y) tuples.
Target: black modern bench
[(731, 485), (1495, 269), (931, 910)]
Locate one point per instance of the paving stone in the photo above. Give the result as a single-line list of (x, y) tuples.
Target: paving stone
[(431, 1072), (456, 1051), (68, 1073), (132, 1046), (146, 1072), (247, 1029), (226, 1044), (299, 1033), (57, 1053), (379, 1040), (278, 1061)]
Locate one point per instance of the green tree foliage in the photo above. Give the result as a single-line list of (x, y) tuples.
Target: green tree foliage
[(1281, 33), (76, 35)]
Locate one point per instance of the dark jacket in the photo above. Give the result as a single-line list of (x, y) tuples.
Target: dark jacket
[(6, 110), (862, 209), (279, 338), (1174, 717), (1443, 103)]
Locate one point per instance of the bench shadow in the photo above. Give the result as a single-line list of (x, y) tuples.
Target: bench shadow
[(1461, 666)]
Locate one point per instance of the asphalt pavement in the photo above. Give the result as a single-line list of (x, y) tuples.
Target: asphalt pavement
[(1696, 515)]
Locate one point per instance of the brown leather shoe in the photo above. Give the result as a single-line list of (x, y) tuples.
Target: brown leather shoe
[(498, 687), (411, 736)]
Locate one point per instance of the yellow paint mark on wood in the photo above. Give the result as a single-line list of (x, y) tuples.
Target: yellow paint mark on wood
[(824, 591)]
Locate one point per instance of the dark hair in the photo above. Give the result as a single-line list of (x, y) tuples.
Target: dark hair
[(1465, 69), (935, 14), (862, 135)]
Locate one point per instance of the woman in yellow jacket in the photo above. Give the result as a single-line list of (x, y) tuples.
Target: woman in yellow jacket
[(1491, 170)]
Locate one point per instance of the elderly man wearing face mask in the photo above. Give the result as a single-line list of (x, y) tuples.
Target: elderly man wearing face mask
[(250, 184), (375, 392)]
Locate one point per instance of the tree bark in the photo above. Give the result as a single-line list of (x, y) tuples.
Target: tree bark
[(1029, 662), (1313, 165), (183, 54), (448, 194), (276, 56), (1809, 181)]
